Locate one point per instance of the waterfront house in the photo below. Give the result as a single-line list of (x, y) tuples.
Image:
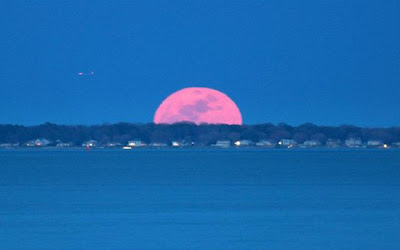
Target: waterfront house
[(136, 143), (158, 144), (64, 144), (287, 143), (265, 143), (182, 143), (91, 143), (244, 143), (113, 144), (311, 143), (37, 143), (333, 143), (374, 143), (8, 145), (353, 142), (222, 144), (396, 144)]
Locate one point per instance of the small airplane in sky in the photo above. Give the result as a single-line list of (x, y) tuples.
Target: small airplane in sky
[(90, 73)]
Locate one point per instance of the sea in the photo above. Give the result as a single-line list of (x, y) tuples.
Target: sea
[(200, 199)]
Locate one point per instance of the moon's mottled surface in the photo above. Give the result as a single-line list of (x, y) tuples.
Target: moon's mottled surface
[(198, 105)]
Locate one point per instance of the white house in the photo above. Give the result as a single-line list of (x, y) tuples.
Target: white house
[(311, 143), (287, 142), (136, 143), (64, 144), (37, 143), (91, 143), (374, 143), (158, 144), (244, 143), (353, 142), (222, 144), (265, 143)]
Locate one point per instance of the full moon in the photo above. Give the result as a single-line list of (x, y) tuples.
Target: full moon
[(198, 105)]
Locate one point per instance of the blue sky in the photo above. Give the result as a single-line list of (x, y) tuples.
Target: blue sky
[(325, 62)]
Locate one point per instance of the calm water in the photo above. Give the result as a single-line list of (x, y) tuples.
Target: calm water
[(204, 199)]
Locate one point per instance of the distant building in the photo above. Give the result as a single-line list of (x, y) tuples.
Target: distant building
[(37, 143), (265, 143), (244, 143), (396, 144), (91, 143), (287, 143), (333, 143), (64, 144), (30, 144), (136, 143), (8, 145), (311, 143), (353, 142), (113, 144), (374, 143), (222, 144), (158, 144), (182, 143)]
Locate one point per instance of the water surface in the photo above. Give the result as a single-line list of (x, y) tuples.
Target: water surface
[(201, 199)]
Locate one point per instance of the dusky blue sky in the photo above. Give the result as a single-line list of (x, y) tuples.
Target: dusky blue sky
[(325, 62)]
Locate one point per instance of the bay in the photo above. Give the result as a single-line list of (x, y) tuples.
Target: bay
[(200, 199)]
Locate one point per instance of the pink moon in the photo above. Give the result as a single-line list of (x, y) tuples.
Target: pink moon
[(198, 105)]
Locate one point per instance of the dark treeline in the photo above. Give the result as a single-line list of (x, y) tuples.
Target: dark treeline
[(200, 134)]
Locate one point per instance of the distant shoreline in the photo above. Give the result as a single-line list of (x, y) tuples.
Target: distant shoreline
[(183, 149), (186, 135)]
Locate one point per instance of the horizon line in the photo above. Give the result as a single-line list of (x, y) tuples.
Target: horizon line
[(194, 124)]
